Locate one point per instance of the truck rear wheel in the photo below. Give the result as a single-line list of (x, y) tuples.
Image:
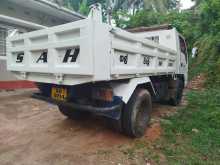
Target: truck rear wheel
[(177, 92), (136, 113), (72, 113)]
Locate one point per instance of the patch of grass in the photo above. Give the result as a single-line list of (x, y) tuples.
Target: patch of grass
[(208, 60), (144, 151), (193, 135), (131, 151), (196, 67), (103, 152)]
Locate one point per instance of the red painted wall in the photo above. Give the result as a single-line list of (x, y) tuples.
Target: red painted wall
[(8, 85)]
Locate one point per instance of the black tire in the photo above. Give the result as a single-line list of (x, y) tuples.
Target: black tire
[(136, 113), (72, 113), (178, 93)]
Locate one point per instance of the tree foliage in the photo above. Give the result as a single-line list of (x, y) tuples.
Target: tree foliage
[(200, 26), (156, 5), (83, 7), (161, 6)]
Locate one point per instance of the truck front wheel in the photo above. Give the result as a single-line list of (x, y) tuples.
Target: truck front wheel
[(136, 113), (72, 113)]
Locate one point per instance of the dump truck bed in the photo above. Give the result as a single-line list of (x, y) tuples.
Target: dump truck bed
[(86, 51)]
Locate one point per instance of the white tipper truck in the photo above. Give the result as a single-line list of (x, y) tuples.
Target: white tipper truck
[(91, 67)]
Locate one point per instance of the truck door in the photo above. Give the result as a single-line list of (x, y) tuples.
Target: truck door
[(183, 56)]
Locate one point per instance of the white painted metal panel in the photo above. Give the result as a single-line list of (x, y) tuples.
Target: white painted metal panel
[(55, 42), (166, 38), (104, 54), (135, 56)]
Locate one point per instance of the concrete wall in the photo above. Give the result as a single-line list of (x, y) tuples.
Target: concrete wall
[(4, 75)]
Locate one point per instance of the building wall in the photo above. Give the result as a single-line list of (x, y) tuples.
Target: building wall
[(4, 74), (9, 9), (8, 81)]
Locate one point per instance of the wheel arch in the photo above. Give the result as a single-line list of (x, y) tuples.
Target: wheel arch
[(125, 89)]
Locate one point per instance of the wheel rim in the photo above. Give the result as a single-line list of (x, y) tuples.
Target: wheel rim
[(142, 118)]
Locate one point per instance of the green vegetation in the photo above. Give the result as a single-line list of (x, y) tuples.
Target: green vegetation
[(77, 5), (200, 26), (83, 7), (161, 6), (193, 135)]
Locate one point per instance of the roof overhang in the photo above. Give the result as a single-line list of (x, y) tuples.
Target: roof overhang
[(15, 22), (49, 8)]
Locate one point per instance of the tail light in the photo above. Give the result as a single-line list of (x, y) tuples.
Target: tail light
[(103, 94)]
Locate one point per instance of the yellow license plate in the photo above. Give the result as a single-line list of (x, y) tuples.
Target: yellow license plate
[(59, 93)]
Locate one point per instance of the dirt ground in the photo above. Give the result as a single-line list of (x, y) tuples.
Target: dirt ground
[(33, 132)]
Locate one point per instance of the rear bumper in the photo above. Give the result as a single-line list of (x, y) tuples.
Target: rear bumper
[(88, 108)]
